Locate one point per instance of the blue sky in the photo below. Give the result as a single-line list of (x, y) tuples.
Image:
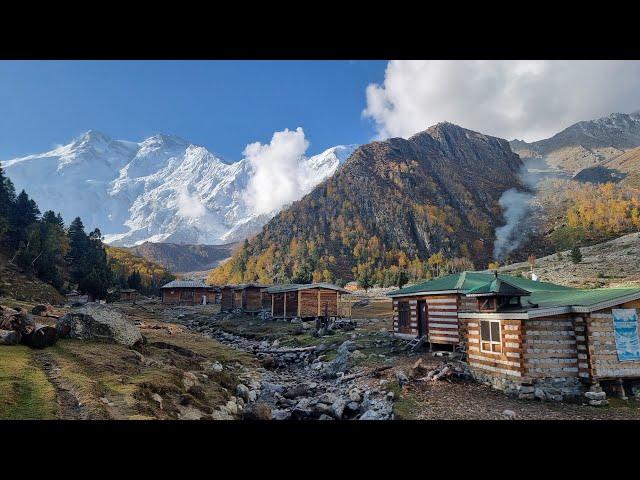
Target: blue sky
[(223, 105)]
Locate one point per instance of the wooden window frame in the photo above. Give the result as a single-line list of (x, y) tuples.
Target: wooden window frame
[(492, 343)]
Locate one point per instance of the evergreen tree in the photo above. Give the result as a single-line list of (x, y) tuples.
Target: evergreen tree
[(402, 278), (576, 254), (135, 280), (7, 200)]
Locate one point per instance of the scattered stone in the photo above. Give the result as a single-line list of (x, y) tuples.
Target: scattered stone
[(595, 395), (510, 414), (325, 417), (158, 399), (243, 392), (402, 378), (390, 396), (370, 415)]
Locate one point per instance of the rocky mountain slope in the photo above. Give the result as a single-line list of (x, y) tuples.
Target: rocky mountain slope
[(163, 189), (182, 257), (391, 202), (612, 264), (585, 144)]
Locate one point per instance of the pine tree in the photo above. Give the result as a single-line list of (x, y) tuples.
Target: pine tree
[(576, 254), (7, 200)]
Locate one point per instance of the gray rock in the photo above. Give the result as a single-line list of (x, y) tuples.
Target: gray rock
[(370, 415), (595, 395), (539, 394), (338, 408), (280, 415), (352, 408), (325, 417), (401, 377), (243, 392), (99, 322), (158, 399), (510, 414)]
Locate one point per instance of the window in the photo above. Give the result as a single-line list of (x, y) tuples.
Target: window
[(490, 336), (403, 314)]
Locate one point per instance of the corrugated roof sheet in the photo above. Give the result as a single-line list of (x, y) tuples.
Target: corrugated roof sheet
[(465, 281), (186, 284), (290, 287)]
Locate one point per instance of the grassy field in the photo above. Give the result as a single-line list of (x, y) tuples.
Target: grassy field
[(25, 392)]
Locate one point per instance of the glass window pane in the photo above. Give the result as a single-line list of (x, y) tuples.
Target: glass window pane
[(495, 331), (485, 332)]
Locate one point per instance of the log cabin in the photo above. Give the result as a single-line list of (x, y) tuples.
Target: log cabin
[(128, 295), (531, 339), (250, 297), (307, 300), (188, 292), (226, 298)]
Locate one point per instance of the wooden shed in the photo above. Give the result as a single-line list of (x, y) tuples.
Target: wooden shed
[(188, 292), (128, 295), (249, 297), (226, 298), (306, 300), (532, 339)]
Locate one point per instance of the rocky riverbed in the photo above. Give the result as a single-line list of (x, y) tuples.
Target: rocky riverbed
[(301, 383)]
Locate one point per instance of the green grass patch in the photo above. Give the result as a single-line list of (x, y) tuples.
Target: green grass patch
[(25, 391), (405, 406)]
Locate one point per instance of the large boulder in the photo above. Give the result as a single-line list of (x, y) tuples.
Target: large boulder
[(99, 322)]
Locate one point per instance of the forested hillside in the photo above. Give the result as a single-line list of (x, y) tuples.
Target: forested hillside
[(41, 246), (396, 210)]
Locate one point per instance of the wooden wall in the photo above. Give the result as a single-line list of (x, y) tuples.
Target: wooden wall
[(442, 318), (507, 363), (550, 347), (253, 299), (189, 296), (602, 353), (226, 301)]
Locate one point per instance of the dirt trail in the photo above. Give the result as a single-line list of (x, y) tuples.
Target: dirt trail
[(69, 406)]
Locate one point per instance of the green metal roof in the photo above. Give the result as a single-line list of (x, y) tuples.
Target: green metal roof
[(498, 286), (541, 294), (291, 287), (465, 281), (576, 297)]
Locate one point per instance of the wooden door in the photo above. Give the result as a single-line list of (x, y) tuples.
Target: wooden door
[(422, 318)]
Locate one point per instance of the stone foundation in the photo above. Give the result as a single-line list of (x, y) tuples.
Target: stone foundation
[(569, 389)]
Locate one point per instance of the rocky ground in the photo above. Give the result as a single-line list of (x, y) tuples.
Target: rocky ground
[(195, 363)]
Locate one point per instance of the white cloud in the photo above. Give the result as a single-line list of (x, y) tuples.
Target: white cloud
[(190, 206), (529, 100), (277, 171)]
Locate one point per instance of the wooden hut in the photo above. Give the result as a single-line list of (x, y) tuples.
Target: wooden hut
[(188, 292), (531, 339), (226, 298), (249, 297), (128, 295), (306, 300)]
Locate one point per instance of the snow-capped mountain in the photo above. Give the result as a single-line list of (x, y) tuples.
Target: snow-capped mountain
[(162, 189)]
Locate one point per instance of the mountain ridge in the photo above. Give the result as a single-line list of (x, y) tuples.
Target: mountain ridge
[(392, 201), (162, 188)]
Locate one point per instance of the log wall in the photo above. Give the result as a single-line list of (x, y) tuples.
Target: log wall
[(253, 299), (226, 301), (442, 318), (550, 347), (507, 363), (187, 296), (601, 346)]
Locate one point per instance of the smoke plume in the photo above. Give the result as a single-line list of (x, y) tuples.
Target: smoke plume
[(515, 205)]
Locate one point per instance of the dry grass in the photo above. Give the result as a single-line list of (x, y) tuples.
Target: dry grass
[(25, 392)]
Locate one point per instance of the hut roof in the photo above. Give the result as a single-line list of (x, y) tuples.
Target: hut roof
[(291, 287), (186, 284)]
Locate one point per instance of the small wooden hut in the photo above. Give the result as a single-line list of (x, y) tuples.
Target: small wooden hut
[(306, 300), (527, 338), (249, 297), (226, 298), (128, 295), (188, 292)]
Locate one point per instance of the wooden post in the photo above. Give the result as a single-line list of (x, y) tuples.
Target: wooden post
[(318, 302), (273, 300), (285, 305), (338, 312), (299, 302)]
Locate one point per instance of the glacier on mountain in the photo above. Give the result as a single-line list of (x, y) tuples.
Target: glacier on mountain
[(163, 189)]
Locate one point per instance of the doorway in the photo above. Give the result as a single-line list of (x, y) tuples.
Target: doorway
[(422, 318)]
